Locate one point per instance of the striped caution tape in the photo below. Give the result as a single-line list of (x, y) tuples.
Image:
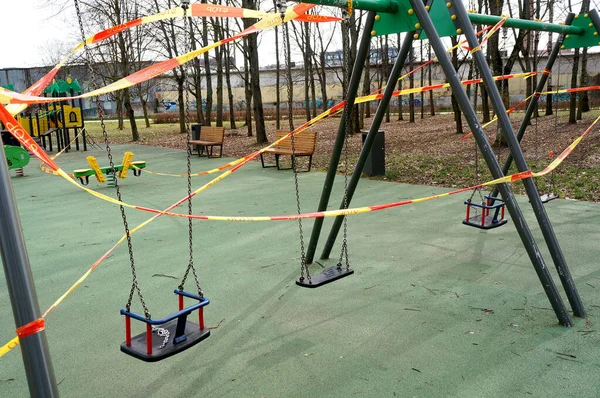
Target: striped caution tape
[(486, 37), (32, 146), (332, 213), (17, 102), (508, 112), (459, 44), (196, 10), (50, 171), (537, 95)]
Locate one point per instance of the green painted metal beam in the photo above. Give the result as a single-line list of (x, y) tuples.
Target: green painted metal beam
[(394, 6), (525, 24), (388, 6)]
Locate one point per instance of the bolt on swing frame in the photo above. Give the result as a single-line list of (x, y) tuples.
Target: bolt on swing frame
[(463, 21)]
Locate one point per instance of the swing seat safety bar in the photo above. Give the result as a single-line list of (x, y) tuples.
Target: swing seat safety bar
[(203, 301), (184, 333), (485, 220)]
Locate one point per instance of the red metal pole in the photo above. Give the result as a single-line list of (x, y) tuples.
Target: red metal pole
[(127, 330), (468, 211), (148, 339), (201, 317), (180, 302)]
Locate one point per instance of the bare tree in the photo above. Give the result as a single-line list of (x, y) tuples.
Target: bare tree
[(112, 12), (252, 45)]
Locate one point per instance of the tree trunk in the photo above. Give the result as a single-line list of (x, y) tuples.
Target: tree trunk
[(197, 77), (323, 81), (181, 103), (549, 50), (259, 117), (135, 136), (307, 78), (430, 82), (219, 59), (207, 72), (288, 77), (353, 49), (247, 89), (573, 96), (422, 81), (583, 105), (455, 107), (228, 65), (277, 77), (145, 112), (119, 106), (411, 82)]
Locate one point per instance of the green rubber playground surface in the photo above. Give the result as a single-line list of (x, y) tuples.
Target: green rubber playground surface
[(435, 308)]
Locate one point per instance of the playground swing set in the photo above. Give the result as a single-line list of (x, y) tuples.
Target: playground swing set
[(387, 17), (185, 333)]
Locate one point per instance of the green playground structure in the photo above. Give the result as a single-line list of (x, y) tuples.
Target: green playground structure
[(16, 157)]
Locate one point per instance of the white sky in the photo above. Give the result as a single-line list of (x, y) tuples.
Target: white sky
[(41, 35), (30, 30)]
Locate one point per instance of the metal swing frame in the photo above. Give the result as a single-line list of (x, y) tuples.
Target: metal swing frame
[(462, 21), (185, 333)]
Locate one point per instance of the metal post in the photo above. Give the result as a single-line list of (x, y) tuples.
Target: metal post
[(542, 217), (21, 289), (487, 152), (359, 63), (368, 144), (533, 103), (513, 144)]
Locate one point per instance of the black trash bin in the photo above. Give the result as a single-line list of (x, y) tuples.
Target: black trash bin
[(196, 134), (375, 165)]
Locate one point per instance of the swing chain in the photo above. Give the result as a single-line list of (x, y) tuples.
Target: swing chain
[(162, 332), (304, 272), (348, 123), (190, 266), (134, 283)]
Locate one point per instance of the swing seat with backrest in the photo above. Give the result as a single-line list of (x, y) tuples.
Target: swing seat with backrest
[(175, 333), (481, 217)]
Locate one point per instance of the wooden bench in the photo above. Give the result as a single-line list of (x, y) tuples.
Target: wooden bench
[(304, 143), (209, 137)]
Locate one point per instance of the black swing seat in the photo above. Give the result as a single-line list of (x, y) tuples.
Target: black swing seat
[(182, 334), (328, 275), (486, 219)]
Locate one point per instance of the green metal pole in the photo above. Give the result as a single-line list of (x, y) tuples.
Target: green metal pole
[(359, 63), (512, 206), (523, 24), (21, 290), (387, 6), (392, 7)]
